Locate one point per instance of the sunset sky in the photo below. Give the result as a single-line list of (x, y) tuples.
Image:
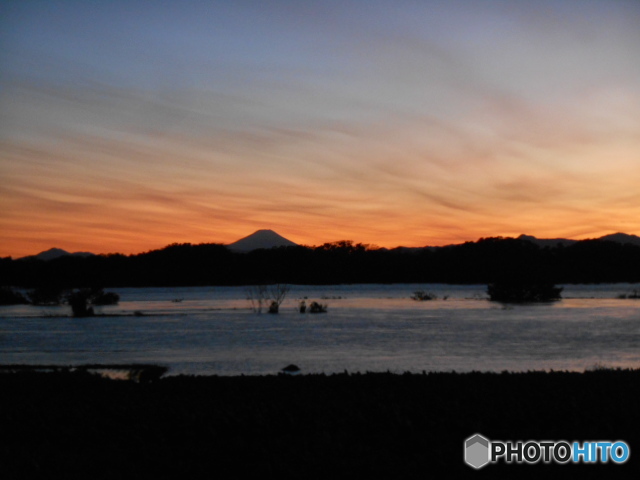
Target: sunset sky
[(129, 125)]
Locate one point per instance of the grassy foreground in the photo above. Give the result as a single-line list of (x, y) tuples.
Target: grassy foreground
[(78, 425)]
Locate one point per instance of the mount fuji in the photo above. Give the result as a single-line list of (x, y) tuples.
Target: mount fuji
[(260, 239)]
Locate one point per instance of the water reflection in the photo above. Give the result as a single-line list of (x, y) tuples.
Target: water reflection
[(367, 328)]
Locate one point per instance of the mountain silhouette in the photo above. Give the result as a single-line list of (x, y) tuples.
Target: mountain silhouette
[(622, 238), (260, 239), (546, 242), (54, 253), (267, 239)]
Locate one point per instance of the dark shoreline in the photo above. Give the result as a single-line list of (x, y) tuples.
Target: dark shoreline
[(485, 261), (79, 425)]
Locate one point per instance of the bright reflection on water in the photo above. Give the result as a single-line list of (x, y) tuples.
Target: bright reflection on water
[(212, 330)]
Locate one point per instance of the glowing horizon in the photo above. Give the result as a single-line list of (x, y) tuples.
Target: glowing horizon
[(127, 126)]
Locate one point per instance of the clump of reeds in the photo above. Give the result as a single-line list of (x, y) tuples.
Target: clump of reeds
[(421, 296)]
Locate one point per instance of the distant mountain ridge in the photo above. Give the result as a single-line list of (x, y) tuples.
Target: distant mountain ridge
[(260, 239), (547, 242), (269, 239), (54, 253), (622, 238)]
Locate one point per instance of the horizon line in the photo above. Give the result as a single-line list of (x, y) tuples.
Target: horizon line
[(372, 246)]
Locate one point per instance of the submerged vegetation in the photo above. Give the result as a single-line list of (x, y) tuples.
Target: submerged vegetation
[(635, 294), (46, 296), (316, 307), (100, 298), (261, 295), (83, 300), (519, 292), (9, 296), (421, 296)]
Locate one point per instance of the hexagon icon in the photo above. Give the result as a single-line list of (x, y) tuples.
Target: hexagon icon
[(476, 451)]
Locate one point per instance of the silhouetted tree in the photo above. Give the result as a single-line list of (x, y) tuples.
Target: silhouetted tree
[(79, 302), (48, 295), (83, 300), (8, 296), (100, 298), (257, 296), (277, 293)]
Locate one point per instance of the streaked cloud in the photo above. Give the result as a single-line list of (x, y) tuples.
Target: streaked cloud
[(124, 127)]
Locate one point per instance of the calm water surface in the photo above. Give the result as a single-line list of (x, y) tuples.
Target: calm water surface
[(213, 330)]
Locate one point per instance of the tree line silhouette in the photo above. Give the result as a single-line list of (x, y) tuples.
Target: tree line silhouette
[(487, 260)]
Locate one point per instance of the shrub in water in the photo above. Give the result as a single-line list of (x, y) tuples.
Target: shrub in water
[(83, 300), (315, 307), (421, 296), (46, 296), (516, 292)]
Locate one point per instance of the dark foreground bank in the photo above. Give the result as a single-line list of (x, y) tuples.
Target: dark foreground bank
[(79, 425)]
